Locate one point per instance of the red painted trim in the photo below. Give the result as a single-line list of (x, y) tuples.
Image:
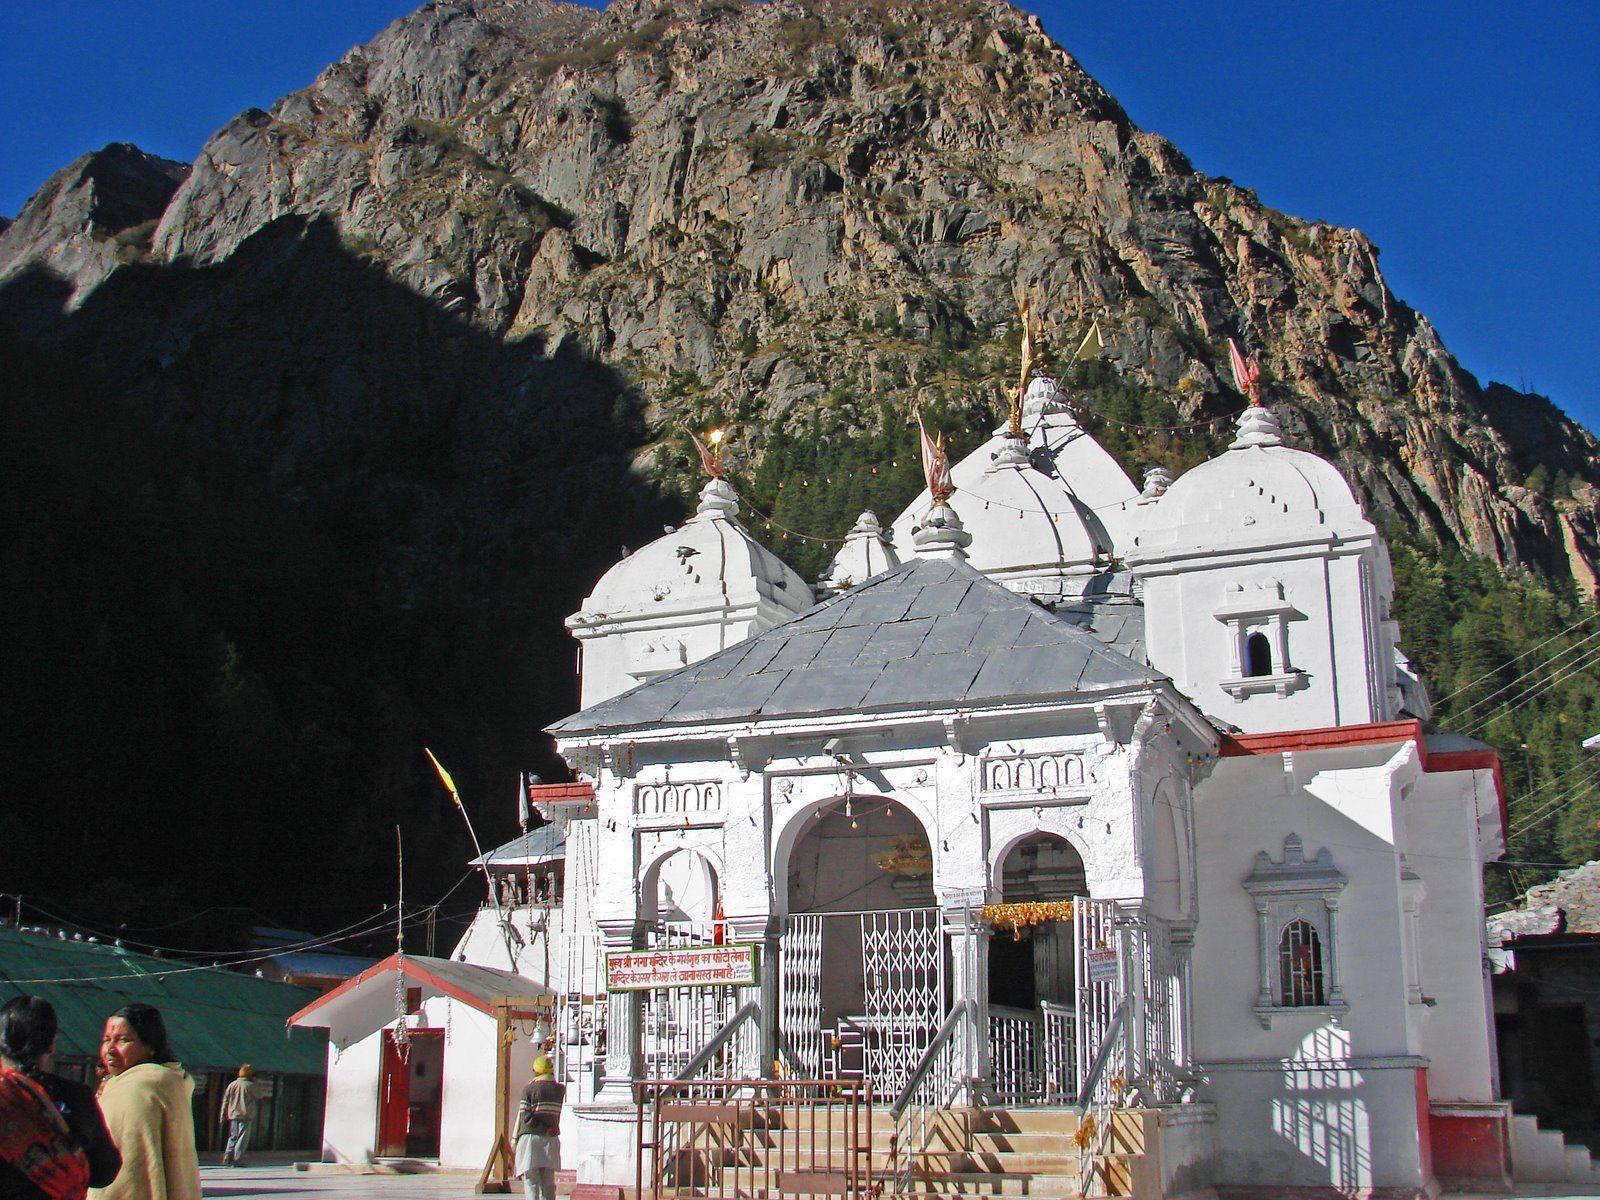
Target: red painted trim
[(1234, 745), (1377, 733), (414, 970), (560, 793)]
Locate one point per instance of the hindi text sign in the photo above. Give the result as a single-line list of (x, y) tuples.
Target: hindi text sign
[(688, 966)]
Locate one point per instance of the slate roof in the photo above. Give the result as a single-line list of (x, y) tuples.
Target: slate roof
[(1110, 612), (1569, 903), (930, 632), (543, 844)]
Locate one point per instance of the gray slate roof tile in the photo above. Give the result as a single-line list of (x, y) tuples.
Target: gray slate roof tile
[(928, 632)]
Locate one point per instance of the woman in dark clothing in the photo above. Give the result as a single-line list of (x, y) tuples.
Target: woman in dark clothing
[(27, 1040)]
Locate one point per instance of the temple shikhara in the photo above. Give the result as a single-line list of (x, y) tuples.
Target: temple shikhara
[(1091, 826)]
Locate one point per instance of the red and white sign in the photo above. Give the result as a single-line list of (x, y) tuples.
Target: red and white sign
[(691, 966)]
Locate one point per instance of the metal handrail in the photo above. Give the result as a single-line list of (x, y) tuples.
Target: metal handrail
[(721, 1038), (1103, 1054), (964, 1008)]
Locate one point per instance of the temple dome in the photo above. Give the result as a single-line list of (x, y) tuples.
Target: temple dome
[(1028, 529), (1258, 492), (864, 554), (712, 562), (686, 595)]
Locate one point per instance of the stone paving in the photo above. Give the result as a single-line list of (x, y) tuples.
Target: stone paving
[(281, 1179)]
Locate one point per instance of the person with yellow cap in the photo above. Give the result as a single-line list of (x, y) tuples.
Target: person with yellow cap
[(239, 1103), (538, 1154)]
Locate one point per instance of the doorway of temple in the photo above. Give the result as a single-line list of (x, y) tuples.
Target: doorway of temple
[(1033, 969), (862, 957)]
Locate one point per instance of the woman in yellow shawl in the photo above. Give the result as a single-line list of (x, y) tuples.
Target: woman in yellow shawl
[(146, 1101)]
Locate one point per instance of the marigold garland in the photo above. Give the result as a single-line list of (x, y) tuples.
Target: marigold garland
[(1017, 917)]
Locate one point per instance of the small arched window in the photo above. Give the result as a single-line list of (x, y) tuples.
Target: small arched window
[(1257, 656), (1300, 966)]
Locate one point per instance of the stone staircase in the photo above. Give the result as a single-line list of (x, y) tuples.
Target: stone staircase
[(972, 1153), (1540, 1155), (1016, 1152)]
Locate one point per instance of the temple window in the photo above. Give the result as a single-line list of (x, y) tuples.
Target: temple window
[(1257, 619), (1297, 909), (1258, 656), (1299, 965)]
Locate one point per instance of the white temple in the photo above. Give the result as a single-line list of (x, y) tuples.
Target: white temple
[(1071, 796)]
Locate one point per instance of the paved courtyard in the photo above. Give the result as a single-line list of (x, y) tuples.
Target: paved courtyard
[(284, 1180)]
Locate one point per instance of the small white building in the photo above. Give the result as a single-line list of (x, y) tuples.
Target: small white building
[(419, 1086)]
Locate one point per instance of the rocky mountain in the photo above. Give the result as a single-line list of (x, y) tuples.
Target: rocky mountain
[(418, 344), (773, 206)]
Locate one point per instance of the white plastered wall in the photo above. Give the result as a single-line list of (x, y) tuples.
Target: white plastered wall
[(1331, 639), (1457, 1030), (1318, 1099)]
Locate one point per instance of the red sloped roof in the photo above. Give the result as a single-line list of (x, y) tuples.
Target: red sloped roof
[(471, 984)]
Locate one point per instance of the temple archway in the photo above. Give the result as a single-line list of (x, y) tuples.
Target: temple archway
[(1034, 963), (862, 957)]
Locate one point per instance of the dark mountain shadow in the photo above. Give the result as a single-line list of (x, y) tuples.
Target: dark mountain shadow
[(266, 529)]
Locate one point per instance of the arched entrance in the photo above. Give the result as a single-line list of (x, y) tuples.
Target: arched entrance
[(1035, 962), (679, 908), (1033, 969), (862, 957)]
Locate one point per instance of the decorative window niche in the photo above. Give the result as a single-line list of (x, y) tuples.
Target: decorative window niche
[(1257, 618), (1297, 909)]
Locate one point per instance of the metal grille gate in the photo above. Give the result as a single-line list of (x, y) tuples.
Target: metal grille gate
[(902, 958), (800, 993)]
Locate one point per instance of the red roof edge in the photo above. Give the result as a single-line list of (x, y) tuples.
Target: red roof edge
[(561, 793), (414, 970), (1376, 733), (1234, 745)]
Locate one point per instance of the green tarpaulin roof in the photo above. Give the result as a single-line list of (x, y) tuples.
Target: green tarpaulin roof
[(217, 1019)]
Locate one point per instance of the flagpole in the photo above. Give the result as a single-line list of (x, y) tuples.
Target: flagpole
[(483, 863)]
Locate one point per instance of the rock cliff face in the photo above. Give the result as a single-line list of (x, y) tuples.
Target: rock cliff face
[(761, 209), (90, 217)]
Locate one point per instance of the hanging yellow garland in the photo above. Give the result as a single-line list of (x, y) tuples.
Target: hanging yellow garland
[(1017, 917)]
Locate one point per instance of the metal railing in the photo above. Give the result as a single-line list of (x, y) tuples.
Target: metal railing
[(736, 1138), (1099, 1096), (946, 1067)]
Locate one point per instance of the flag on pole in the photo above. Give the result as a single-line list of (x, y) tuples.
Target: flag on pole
[(1246, 373), (935, 463), (1093, 345), (710, 456), (524, 816), (444, 778), (1027, 362)]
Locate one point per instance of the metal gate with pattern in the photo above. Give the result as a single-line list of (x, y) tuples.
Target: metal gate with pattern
[(902, 1002)]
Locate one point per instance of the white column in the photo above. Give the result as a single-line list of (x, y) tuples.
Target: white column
[(757, 1053), (962, 918), (622, 1021)]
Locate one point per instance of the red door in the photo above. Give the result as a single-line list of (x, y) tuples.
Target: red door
[(410, 1092), (394, 1100)]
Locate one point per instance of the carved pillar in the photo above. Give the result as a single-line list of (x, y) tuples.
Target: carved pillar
[(622, 1020), (962, 913), (1268, 944), (1331, 952), (757, 1053)]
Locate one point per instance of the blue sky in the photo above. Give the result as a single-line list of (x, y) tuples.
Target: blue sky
[(1460, 136)]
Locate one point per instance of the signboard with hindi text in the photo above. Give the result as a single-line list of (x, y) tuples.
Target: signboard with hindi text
[(1102, 963), (686, 966)]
